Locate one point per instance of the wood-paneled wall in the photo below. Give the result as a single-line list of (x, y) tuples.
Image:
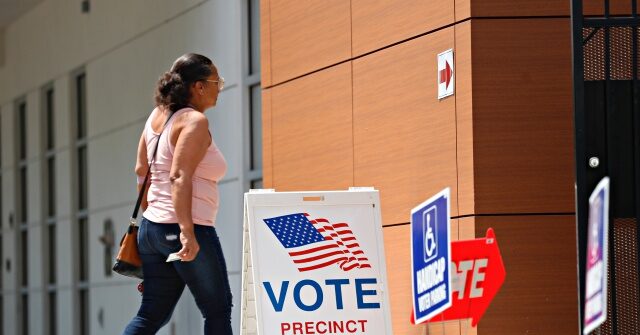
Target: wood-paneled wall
[(522, 116), (311, 131), (350, 99), (539, 294), (400, 130), (378, 23)]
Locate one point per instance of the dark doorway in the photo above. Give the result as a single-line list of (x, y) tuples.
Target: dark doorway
[(607, 140)]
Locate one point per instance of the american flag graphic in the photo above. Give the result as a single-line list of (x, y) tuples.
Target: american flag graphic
[(318, 243)]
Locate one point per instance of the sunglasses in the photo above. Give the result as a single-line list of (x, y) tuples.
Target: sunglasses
[(220, 83)]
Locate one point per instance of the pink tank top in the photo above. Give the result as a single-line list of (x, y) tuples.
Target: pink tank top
[(204, 202)]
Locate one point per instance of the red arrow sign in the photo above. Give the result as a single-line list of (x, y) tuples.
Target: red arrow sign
[(477, 274), (446, 74)]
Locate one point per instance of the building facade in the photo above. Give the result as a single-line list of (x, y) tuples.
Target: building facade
[(76, 86), (350, 98)]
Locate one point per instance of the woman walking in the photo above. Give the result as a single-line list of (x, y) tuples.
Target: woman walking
[(182, 201)]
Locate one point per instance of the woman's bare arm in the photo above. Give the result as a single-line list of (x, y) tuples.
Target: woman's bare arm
[(191, 146), (142, 166)]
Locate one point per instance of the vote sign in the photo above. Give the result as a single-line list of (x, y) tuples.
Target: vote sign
[(318, 265), (477, 275), (595, 305), (430, 256)]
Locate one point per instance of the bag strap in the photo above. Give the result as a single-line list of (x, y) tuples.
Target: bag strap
[(134, 216)]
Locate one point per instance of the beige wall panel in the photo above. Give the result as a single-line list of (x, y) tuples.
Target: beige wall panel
[(265, 42), (467, 228), (308, 35), (464, 119), (378, 23), (311, 132), (267, 161), (496, 8), (463, 9), (466, 329), (539, 295), (398, 254), (404, 138), (522, 116)]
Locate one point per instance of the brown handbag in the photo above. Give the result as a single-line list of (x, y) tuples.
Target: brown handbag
[(128, 262)]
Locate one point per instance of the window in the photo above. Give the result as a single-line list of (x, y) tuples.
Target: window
[(49, 118), (254, 36), (82, 177), (1, 236), (84, 312), (51, 257), (49, 193), (22, 234), (25, 313), (80, 106), (22, 130), (253, 125), (82, 237), (82, 201), (22, 218), (53, 322), (24, 254), (51, 185), (256, 127)]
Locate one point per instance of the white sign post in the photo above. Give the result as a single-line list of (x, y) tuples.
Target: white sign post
[(314, 264), (446, 74)]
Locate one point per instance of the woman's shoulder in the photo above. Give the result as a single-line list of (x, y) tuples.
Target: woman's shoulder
[(150, 120), (191, 117)]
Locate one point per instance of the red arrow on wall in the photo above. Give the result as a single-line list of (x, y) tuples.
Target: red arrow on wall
[(477, 274), (446, 74)]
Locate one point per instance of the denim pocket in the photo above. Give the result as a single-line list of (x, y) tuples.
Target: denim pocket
[(168, 238)]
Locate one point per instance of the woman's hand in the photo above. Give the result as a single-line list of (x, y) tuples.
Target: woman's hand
[(190, 246)]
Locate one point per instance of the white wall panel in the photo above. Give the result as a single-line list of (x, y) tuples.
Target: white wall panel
[(10, 313), (229, 224), (65, 312), (36, 303), (124, 47), (225, 123), (64, 273), (121, 84), (111, 161), (57, 33), (116, 309), (34, 263)]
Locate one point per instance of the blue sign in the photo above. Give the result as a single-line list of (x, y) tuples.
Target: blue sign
[(595, 304), (431, 256)]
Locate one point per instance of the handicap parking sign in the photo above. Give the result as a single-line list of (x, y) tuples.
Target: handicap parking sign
[(431, 256), (430, 233)]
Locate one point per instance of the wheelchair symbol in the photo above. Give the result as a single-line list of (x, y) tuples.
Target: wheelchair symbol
[(430, 234)]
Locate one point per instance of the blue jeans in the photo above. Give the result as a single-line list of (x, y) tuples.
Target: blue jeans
[(206, 277)]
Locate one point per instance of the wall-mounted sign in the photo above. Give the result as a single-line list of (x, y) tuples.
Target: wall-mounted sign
[(316, 263), (446, 74), (430, 256)]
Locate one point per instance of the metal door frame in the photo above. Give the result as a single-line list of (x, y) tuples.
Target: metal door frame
[(582, 169)]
